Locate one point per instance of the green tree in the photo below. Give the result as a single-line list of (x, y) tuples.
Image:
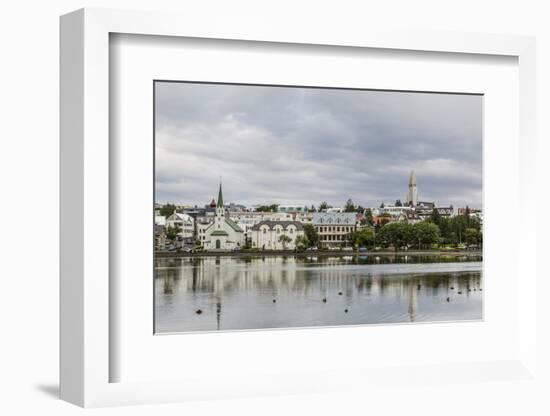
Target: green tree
[(311, 234), (368, 216), (313, 209), (267, 208), (323, 206), (396, 234), (363, 238), (285, 239), (425, 234), (167, 209), (398, 203), (435, 217), (382, 205), (302, 242), (172, 232), (349, 206), (472, 236)]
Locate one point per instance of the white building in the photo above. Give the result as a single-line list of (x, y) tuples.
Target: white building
[(246, 220), (184, 221), (222, 233), (276, 235), (335, 229)]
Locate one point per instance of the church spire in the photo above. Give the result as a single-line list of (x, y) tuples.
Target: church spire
[(412, 179), (220, 197)]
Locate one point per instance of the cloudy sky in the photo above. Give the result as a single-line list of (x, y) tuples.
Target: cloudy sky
[(302, 145)]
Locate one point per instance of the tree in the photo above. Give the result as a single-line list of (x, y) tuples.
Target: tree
[(368, 216), (363, 238), (311, 235), (360, 209), (313, 209), (302, 242), (267, 208), (349, 206), (396, 234), (472, 236), (323, 206), (398, 203), (172, 232), (382, 205), (435, 217), (285, 239), (426, 233), (167, 209)]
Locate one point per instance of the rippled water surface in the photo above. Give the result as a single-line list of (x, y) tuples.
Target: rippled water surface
[(233, 293)]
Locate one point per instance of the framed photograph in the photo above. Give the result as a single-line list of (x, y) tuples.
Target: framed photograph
[(323, 202), (314, 231)]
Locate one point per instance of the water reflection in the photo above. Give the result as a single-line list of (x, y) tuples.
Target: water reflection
[(286, 291)]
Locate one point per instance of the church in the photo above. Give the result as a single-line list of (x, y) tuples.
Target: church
[(222, 233)]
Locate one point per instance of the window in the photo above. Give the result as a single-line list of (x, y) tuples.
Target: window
[(264, 230)]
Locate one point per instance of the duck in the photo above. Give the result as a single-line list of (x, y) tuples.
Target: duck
[(198, 311)]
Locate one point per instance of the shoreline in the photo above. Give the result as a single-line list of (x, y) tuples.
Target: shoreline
[(319, 253)]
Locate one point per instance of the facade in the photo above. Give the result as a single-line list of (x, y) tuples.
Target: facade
[(221, 233), (246, 220), (184, 221), (276, 235), (334, 229)]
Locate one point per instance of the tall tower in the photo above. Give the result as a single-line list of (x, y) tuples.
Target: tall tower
[(412, 196), (219, 205)]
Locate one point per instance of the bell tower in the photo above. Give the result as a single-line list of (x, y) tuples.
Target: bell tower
[(412, 196)]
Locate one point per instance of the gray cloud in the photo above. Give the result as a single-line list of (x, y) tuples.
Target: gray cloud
[(297, 145)]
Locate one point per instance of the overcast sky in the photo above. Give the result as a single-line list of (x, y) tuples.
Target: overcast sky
[(304, 146)]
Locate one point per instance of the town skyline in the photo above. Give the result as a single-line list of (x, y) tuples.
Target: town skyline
[(308, 204), (283, 145)]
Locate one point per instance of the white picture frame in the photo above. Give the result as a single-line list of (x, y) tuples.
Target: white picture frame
[(86, 355)]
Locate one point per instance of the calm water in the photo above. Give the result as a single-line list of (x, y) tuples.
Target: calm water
[(287, 291)]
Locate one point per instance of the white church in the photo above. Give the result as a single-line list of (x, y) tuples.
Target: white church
[(222, 233)]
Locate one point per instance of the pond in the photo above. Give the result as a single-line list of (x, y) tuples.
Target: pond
[(237, 293)]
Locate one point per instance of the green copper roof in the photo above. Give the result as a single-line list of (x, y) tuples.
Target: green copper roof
[(233, 225), (219, 232), (220, 197)]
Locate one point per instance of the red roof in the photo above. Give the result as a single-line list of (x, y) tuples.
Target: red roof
[(213, 203)]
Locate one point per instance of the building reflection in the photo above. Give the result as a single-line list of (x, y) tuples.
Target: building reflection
[(222, 286)]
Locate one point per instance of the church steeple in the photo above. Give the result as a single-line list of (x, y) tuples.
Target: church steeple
[(220, 197), (412, 196)]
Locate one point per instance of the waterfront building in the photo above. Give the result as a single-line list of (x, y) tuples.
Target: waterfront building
[(246, 220), (334, 228), (276, 235), (184, 221), (222, 233)]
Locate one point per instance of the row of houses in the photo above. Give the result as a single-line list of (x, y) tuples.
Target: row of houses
[(219, 227)]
